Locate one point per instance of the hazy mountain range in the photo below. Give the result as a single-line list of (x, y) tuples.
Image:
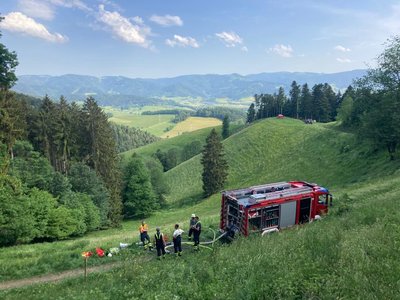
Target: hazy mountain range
[(118, 90)]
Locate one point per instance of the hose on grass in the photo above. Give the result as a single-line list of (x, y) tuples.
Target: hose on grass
[(203, 244)]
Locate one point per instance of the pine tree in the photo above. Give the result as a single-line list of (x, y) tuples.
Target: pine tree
[(215, 167), (225, 127), (100, 152), (306, 102), (332, 101), (320, 103), (251, 114), (281, 100), (295, 99)]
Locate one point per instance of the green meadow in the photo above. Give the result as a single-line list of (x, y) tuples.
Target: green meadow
[(154, 124), (352, 253)]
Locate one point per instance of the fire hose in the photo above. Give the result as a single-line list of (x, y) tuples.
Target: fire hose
[(203, 244)]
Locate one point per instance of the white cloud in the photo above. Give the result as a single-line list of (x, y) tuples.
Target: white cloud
[(138, 20), (231, 39), (282, 50), (343, 60), (45, 9), (18, 22), (182, 41), (167, 20), (124, 29), (342, 49), (71, 4), (244, 49), (36, 9)]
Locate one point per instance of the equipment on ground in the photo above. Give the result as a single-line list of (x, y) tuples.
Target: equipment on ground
[(272, 206)]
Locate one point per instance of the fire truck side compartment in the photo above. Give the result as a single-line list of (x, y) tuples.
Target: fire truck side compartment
[(288, 214)]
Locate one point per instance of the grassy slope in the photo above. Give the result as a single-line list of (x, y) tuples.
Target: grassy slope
[(155, 124), (192, 124), (350, 254), (166, 144), (275, 150)]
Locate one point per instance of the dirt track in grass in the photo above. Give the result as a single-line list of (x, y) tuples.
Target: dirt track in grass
[(12, 284)]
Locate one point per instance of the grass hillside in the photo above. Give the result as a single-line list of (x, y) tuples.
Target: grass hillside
[(192, 124), (154, 124), (351, 253), (177, 142), (160, 125), (274, 150)]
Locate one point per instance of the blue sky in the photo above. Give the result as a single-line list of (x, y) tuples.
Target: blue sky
[(165, 38)]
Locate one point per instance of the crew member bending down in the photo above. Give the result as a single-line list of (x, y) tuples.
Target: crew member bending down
[(144, 237), (196, 233), (160, 243)]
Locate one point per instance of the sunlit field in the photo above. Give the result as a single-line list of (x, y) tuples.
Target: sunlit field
[(192, 124)]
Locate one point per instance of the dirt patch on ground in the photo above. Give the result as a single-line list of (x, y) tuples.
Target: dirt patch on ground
[(12, 284)]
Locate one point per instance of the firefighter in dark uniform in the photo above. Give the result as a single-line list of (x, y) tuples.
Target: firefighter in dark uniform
[(196, 233), (159, 243), (192, 222), (177, 235)]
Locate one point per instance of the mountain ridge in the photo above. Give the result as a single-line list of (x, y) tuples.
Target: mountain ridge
[(209, 87)]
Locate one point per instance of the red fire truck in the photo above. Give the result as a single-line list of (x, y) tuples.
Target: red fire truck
[(278, 205)]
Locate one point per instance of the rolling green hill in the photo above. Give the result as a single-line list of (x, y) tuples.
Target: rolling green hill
[(177, 142), (351, 253), (275, 150), (154, 124)]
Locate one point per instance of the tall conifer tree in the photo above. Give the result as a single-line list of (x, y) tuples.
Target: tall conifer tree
[(251, 114), (225, 127), (215, 167), (102, 154), (295, 99)]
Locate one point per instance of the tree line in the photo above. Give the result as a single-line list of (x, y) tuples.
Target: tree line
[(218, 112), (127, 138), (320, 103)]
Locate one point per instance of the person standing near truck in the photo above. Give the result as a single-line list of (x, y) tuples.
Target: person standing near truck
[(192, 222), (196, 233), (177, 239)]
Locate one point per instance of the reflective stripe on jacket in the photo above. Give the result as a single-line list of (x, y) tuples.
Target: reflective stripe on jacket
[(159, 238)]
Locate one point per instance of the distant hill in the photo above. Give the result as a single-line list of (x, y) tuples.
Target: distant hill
[(122, 91)]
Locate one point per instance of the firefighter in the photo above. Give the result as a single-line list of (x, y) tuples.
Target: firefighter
[(196, 233), (192, 222), (159, 243), (144, 237), (177, 239)]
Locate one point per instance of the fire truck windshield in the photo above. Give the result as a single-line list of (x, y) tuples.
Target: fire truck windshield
[(323, 199)]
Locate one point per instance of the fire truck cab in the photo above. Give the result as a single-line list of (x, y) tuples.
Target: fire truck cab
[(275, 205)]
